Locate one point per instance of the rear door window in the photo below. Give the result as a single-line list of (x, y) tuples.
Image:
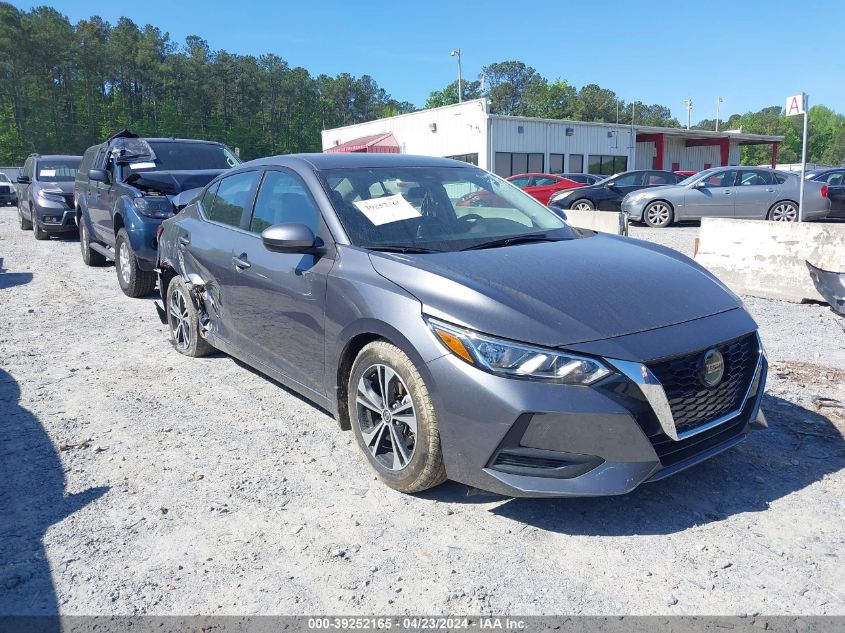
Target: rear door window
[(234, 194), (751, 178)]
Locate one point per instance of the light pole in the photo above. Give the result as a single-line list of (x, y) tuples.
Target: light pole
[(718, 106), (457, 53), (688, 104)]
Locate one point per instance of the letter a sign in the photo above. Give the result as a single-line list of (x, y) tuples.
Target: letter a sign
[(796, 105)]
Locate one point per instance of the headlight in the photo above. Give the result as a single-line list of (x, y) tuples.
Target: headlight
[(561, 194), (515, 360), (54, 195), (154, 206)]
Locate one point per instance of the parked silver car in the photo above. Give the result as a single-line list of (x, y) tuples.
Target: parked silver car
[(728, 192)]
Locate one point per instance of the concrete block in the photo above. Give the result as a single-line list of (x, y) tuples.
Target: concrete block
[(766, 259), (604, 221)]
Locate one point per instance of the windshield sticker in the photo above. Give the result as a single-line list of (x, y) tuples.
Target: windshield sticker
[(387, 209), (46, 173), (142, 165)]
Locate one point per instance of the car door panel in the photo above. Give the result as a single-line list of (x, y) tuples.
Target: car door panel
[(712, 201), (836, 194), (753, 200), (277, 300)]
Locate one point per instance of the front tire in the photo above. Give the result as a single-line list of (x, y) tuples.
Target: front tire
[(583, 205), (133, 281), (658, 214), (784, 211), (183, 321), (39, 233), (394, 420)]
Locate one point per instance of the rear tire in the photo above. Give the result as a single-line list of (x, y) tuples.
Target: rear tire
[(183, 321), (398, 436), (89, 257), (658, 214), (133, 281), (26, 225), (783, 211), (582, 205)]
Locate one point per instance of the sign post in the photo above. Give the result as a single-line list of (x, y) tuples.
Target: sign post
[(795, 105)]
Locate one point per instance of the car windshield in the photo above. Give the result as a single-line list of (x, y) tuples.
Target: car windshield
[(4, 178), (175, 156), (437, 209), (57, 170)]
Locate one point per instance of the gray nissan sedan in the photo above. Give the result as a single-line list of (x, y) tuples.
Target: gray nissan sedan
[(728, 192), (493, 345)]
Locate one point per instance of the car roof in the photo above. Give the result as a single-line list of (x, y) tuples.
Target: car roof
[(356, 159), (58, 156)]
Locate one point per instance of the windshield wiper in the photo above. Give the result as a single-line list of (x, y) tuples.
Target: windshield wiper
[(399, 249), (515, 239)]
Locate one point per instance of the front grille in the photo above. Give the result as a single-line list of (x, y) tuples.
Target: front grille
[(691, 402), (5, 189), (671, 452), (528, 461)]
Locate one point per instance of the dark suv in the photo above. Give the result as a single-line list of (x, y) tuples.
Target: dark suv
[(127, 186), (45, 195)]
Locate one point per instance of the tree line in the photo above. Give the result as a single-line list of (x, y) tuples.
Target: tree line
[(64, 87)]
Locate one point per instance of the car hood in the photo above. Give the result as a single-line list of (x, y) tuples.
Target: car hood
[(171, 183), (663, 191), (560, 293), (64, 187)]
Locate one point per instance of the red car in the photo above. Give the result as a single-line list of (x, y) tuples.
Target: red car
[(542, 186)]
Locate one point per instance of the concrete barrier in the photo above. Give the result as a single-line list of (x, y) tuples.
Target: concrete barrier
[(604, 221), (766, 259)]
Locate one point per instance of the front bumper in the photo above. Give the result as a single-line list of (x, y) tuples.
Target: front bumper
[(55, 217), (528, 438), (633, 211)]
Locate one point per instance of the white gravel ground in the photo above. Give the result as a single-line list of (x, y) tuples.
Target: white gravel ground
[(135, 480)]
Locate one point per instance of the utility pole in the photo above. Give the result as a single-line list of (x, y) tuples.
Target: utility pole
[(457, 53), (718, 107), (688, 104)]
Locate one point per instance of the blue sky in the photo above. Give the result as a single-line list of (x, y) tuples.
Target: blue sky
[(748, 51)]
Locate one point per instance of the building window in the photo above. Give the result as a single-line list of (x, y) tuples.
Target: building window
[(576, 163), (555, 163), (472, 159), (676, 166), (512, 163), (708, 165), (607, 165)]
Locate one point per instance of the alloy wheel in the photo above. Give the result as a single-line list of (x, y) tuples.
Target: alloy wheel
[(386, 417), (658, 214), (784, 212), (180, 323), (125, 264), (583, 206)]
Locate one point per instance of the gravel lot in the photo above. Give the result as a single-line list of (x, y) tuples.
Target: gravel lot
[(135, 480)]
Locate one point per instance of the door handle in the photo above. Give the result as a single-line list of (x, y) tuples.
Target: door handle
[(184, 241), (769, 189), (728, 192), (240, 262)]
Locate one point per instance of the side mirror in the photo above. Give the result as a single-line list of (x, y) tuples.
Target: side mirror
[(98, 175), (23, 180), (699, 185), (559, 212), (288, 238)]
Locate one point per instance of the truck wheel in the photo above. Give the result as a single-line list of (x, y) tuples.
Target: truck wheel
[(38, 232), (183, 321), (133, 281), (89, 257), (26, 225), (394, 420)]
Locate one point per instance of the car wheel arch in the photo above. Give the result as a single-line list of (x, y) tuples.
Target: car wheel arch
[(354, 339)]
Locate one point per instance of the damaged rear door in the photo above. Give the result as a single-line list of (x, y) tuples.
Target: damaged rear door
[(277, 300), (205, 246)]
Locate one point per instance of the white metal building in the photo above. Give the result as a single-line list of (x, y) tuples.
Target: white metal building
[(511, 145)]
